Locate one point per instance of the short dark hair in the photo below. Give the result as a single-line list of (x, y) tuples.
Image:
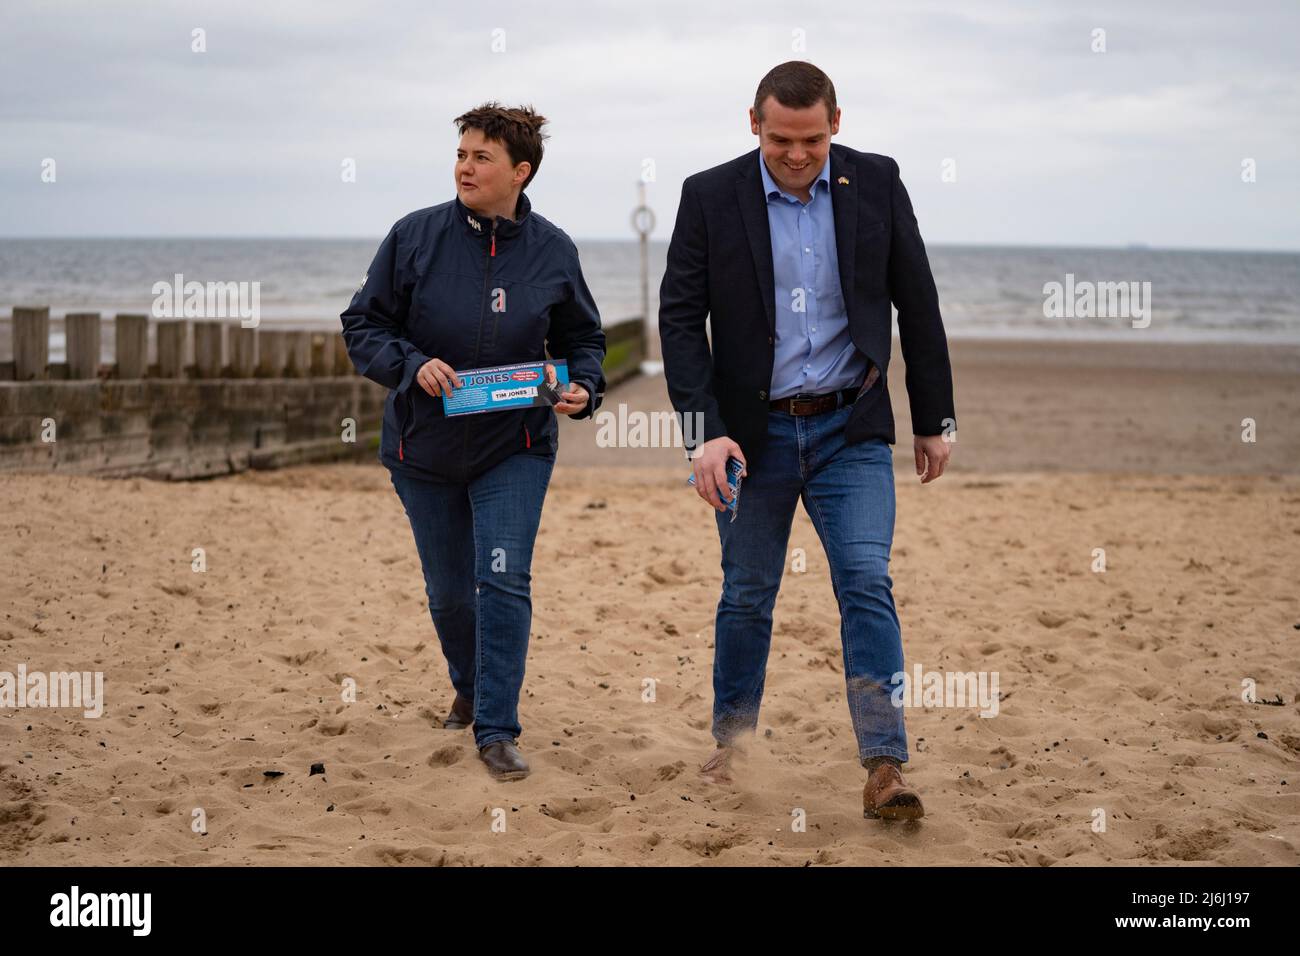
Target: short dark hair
[(798, 85), (519, 128)]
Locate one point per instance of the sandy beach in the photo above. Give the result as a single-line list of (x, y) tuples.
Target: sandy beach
[(1121, 690)]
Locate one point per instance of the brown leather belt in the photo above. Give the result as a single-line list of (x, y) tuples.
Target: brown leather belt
[(815, 404)]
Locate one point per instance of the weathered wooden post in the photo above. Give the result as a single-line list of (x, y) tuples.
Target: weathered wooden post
[(322, 354), (173, 339), (131, 349), (82, 337), (209, 348), (31, 331), (342, 361), (297, 354), (243, 352), (273, 355)]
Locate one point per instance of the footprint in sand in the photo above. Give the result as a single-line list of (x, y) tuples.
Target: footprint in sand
[(446, 756)]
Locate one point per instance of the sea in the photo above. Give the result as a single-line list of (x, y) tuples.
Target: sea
[(984, 291)]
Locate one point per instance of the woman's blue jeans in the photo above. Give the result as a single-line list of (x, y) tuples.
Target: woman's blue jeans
[(475, 542), (848, 491)]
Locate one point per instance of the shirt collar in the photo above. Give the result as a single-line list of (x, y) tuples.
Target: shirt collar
[(770, 187)]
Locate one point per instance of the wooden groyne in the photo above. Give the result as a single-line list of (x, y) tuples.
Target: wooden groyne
[(212, 397)]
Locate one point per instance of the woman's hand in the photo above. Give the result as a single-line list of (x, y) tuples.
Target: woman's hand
[(574, 400), (437, 377)]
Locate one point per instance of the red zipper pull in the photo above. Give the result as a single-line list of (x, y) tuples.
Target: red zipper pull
[(528, 439), (399, 450), (494, 242)]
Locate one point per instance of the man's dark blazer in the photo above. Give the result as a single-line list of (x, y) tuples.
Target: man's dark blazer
[(720, 265)]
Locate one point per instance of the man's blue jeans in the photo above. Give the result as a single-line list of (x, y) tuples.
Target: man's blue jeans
[(848, 491), (476, 549)]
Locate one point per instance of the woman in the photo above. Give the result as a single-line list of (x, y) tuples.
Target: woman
[(474, 282)]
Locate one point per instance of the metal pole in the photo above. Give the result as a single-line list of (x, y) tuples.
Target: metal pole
[(643, 222)]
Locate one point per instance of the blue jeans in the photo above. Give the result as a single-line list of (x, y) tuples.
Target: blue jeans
[(848, 491), (475, 543)]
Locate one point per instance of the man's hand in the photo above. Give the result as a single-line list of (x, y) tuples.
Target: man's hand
[(931, 456), (437, 377), (710, 467), (574, 400)]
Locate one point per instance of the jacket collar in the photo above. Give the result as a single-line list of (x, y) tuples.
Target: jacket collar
[(478, 225)]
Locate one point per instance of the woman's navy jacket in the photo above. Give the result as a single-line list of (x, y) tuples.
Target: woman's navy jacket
[(447, 283)]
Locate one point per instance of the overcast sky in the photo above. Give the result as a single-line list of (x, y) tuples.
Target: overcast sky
[(1052, 142)]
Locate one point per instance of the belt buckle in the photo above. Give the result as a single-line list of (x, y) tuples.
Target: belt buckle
[(796, 401)]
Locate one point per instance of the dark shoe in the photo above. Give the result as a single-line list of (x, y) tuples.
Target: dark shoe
[(504, 761), (886, 796), (461, 716)]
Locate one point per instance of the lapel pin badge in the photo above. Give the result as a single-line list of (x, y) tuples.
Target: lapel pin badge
[(843, 180)]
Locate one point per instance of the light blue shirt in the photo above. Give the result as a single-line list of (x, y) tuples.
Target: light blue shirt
[(814, 353)]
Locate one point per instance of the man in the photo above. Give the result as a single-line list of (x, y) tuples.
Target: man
[(795, 252), (550, 391)]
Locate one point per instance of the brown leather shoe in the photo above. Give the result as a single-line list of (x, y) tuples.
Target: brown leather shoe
[(461, 716), (718, 767), (504, 761), (886, 796)]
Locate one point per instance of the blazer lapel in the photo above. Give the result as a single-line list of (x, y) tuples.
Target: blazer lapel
[(844, 205), (753, 213)]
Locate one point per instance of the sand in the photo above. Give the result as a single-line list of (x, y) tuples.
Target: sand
[(1122, 690), (1072, 406)]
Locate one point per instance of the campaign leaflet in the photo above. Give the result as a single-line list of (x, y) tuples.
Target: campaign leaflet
[(734, 468), (507, 386)]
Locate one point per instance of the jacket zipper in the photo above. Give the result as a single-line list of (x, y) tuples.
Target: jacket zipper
[(478, 341), (487, 279), (406, 423), (496, 318)]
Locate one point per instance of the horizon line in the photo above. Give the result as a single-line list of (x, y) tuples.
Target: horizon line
[(1135, 246)]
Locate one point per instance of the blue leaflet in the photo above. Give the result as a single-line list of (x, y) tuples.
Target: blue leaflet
[(734, 468), (506, 386)]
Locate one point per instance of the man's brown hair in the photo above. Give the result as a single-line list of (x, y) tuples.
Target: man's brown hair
[(798, 85), (518, 128)]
